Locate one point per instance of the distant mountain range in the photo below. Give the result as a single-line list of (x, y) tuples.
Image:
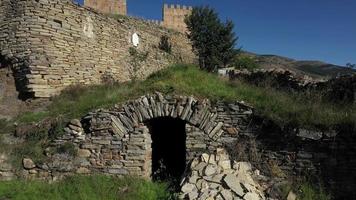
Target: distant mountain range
[(314, 69)]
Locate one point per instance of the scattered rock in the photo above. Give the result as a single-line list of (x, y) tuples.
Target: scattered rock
[(291, 196), (233, 183), (308, 134), (226, 194), (212, 177), (83, 170), (76, 122), (187, 188), (210, 170), (28, 163), (251, 196)]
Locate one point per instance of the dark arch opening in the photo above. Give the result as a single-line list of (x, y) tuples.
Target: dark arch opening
[(168, 149)]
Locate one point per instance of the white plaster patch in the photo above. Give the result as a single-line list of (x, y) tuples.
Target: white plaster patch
[(88, 29), (135, 39)]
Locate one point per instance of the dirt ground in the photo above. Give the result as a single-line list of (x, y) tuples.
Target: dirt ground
[(10, 105)]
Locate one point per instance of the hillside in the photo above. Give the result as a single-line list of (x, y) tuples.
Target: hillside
[(315, 69)]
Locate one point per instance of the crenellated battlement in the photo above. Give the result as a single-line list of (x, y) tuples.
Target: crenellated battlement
[(177, 6), (174, 15)]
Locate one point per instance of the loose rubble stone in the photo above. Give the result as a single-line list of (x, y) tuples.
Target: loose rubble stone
[(76, 122), (210, 170), (291, 196), (187, 188), (233, 183), (251, 196), (226, 194), (83, 170), (28, 163), (209, 179)]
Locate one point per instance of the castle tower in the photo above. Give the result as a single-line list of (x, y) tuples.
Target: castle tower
[(108, 6), (174, 15)]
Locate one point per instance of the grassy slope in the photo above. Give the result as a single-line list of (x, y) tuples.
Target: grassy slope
[(303, 109), (80, 187), (284, 108)]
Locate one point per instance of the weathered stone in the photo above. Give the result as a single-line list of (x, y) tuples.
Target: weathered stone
[(28, 163), (233, 183), (193, 195), (210, 170), (291, 196), (76, 122), (225, 164), (232, 131), (83, 153), (83, 170), (205, 157), (75, 128), (226, 194), (252, 196), (188, 187), (308, 134)]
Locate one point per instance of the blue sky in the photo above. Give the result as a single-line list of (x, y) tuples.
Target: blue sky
[(302, 29)]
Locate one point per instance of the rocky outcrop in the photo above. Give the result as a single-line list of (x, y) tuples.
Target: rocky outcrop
[(215, 176)]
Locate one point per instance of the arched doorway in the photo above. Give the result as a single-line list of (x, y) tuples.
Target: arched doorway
[(168, 148)]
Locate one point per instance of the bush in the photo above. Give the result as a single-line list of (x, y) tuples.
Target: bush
[(165, 45), (245, 62), (67, 148), (311, 192)]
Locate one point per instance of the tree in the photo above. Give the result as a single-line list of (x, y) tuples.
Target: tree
[(213, 41)]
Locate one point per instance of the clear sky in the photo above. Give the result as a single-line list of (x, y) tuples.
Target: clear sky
[(302, 29)]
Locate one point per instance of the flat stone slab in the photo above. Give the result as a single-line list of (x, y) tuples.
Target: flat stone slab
[(233, 183)]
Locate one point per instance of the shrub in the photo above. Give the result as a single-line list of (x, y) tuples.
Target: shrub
[(245, 62), (165, 45), (67, 148), (309, 191)]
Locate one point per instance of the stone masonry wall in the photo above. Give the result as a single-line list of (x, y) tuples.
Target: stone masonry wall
[(52, 44), (325, 156), (118, 142), (174, 15), (108, 6)]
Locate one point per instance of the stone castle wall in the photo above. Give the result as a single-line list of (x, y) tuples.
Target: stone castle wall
[(108, 6), (52, 44), (174, 15)]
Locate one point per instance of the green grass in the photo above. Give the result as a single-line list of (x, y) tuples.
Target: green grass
[(281, 107), (310, 192), (86, 188)]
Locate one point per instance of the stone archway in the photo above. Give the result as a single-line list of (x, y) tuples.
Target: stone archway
[(118, 141), (168, 148), (131, 122)]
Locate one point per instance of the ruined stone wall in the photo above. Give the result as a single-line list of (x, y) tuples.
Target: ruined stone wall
[(52, 44), (174, 15), (108, 6), (118, 142), (322, 156)]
